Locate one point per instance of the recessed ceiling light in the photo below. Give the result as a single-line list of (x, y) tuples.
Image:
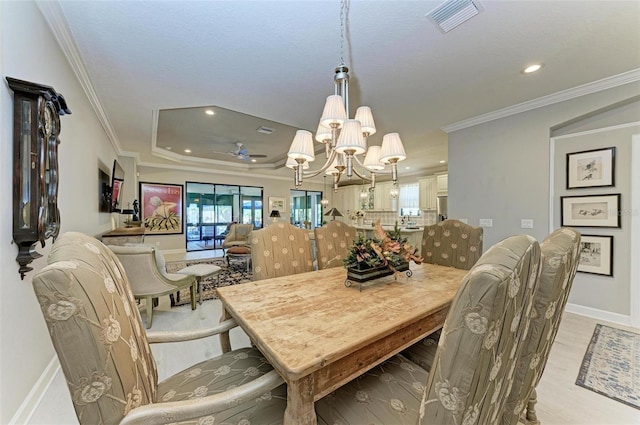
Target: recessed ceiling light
[(253, 160), (209, 112), (532, 68), (443, 161), (407, 168), (168, 148), (187, 150)]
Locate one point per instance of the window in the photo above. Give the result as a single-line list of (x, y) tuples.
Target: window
[(409, 199)]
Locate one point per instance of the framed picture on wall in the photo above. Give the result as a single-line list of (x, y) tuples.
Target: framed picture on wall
[(590, 211), (596, 255), (161, 208), (276, 203), (594, 168)]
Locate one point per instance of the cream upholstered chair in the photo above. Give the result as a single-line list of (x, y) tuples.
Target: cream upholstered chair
[(107, 362), (448, 243), (280, 249), (483, 335), (237, 236), (333, 242), (452, 243), (560, 258), (147, 273)]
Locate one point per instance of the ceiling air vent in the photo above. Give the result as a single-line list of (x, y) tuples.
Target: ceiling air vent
[(265, 130), (452, 13)]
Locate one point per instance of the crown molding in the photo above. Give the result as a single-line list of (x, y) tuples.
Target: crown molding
[(561, 96), (54, 16)]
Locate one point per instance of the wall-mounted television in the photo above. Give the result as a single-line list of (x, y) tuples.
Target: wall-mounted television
[(104, 192), (117, 180)]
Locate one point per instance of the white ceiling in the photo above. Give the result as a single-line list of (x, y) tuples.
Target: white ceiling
[(273, 62)]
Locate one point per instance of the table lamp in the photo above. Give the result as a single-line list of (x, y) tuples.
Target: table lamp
[(275, 215), (333, 213)]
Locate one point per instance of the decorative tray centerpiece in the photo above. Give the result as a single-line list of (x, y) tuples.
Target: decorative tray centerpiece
[(382, 255)]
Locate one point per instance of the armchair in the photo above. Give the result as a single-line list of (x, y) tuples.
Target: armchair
[(280, 249), (333, 242), (238, 235), (104, 352), (484, 332), (147, 274)]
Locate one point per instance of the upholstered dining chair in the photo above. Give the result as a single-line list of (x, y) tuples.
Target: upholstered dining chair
[(280, 249), (474, 366), (333, 242), (448, 243), (452, 243), (560, 258), (147, 273), (238, 235), (107, 362)]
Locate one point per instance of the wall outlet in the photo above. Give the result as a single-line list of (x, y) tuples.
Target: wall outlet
[(486, 222), (526, 223), (158, 243)]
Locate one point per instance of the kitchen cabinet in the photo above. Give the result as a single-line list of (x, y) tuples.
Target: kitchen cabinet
[(428, 192), (442, 181)]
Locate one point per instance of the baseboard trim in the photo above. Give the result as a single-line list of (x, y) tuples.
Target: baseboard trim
[(33, 399), (599, 314)]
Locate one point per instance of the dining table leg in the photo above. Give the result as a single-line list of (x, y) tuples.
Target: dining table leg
[(225, 342), (300, 408)]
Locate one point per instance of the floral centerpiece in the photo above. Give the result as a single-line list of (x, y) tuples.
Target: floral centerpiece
[(356, 215), (381, 255)]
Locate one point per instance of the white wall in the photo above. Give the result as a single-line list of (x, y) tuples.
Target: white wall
[(30, 52), (500, 169)]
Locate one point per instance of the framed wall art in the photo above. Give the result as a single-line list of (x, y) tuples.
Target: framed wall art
[(594, 168), (161, 208), (276, 203), (590, 211), (596, 255)]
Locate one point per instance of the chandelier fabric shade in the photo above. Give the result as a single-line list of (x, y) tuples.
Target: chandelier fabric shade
[(351, 139), (302, 146), (392, 149), (334, 113)]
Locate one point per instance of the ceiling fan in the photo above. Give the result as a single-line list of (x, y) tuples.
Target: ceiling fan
[(241, 153)]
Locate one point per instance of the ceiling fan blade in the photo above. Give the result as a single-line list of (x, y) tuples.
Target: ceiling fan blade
[(259, 155)]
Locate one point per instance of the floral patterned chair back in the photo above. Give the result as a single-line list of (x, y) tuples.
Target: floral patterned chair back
[(96, 329), (483, 335), (333, 242), (452, 243), (560, 257), (280, 249)]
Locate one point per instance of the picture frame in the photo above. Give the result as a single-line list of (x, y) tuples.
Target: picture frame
[(161, 208), (596, 255), (276, 203), (590, 211), (592, 168)]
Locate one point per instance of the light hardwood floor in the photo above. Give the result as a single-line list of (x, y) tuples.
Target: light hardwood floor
[(561, 402)]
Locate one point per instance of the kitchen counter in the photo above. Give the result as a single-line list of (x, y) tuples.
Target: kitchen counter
[(387, 227), (413, 235)]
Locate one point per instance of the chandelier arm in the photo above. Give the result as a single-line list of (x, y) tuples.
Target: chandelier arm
[(311, 174), (355, 171), (383, 172)]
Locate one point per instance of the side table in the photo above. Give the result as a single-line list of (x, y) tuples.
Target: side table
[(246, 258), (201, 272)]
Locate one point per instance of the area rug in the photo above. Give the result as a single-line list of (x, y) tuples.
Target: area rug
[(229, 275), (611, 365)]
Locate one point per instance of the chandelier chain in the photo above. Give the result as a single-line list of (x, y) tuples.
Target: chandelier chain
[(343, 6)]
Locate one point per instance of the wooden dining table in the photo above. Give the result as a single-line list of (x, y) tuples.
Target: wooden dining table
[(319, 334)]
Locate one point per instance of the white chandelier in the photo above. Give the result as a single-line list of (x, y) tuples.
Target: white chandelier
[(344, 138)]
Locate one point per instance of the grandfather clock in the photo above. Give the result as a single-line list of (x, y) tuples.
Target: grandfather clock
[(36, 125)]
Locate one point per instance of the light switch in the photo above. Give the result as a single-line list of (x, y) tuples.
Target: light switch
[(526, 223), (486, 222)]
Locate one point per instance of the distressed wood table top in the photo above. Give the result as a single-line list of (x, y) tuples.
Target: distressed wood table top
[(319, 334)]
